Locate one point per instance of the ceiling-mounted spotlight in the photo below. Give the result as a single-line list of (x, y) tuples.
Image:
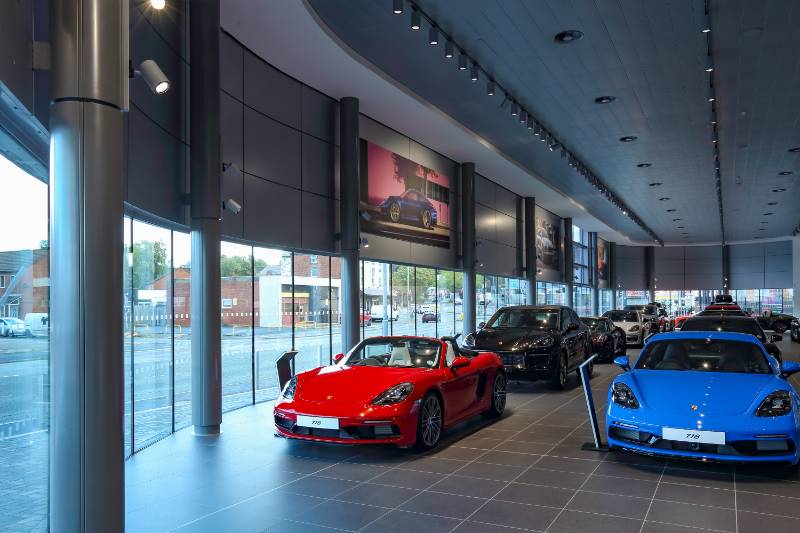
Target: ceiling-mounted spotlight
[(568, 36), (158, 4), (628, 138), (152, 75), (448, 49), (232, 205), (711, 95), (397, 6), (795, 150), (553, 145), (709, 64), (523, 117), (624, 212), (706, 23), (779, 190), (656, 184), (473, 72), (416, 20), (604, 99), (714, 136), (433, 36), (530, 122), (784, 173), (514, 109), (363, 241), (490, 88), (713, 117), (462, 62), (644, 165), (537, 130)]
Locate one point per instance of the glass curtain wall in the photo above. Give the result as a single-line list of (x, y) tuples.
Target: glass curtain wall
[(551, 293), (627, 297), (236, 319), (758, 301), (583, 300), (24, 349), (606, 301), (678, 303)]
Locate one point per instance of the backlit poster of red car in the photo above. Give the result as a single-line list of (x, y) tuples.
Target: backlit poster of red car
[(403, 199)]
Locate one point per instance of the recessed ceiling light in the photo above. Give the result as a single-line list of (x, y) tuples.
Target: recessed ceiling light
[(656, 184), (757, 236), (785, 173), (763, 222), (671, 210), (768, 214), (762, 229), (644, 165), (779, 190), (795, 149), (676, 219), (628, 138), (568, 36), (772, 203), (681, 227), (604, 99), (664, 198)]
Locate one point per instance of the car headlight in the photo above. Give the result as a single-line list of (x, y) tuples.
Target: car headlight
[(635, 328), (545, 342), (622, 395), (778, 403), (289, 388), (469, 340), (393, 395)]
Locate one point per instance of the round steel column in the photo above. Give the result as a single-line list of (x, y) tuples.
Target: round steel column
[(468, 245)]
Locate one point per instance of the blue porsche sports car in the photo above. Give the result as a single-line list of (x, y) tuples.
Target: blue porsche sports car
[(705, 395), (411, 206)]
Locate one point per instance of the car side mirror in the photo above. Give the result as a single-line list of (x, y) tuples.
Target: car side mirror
[(338, 357), (775, 337), (481, 325), (460, 362), (622, 362), (789, 367)]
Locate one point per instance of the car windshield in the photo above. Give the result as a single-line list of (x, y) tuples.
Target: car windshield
[(524, 318), (704, 355), (594, 324), (622, 316), (749, 326), (396, 351), (13, 321)]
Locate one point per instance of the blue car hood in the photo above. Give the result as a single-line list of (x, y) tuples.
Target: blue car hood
[(719, 393)]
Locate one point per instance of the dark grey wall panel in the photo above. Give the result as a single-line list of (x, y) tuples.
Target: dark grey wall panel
[(669, 268), (170, 27), (233, 187), (506, 201), (485, 192), (231, 62), (506, 229), (747, 266), (231, 123), (318, 164), (485, 228), (317, 230), (630, 268), (388, 138), (778, 272), (271, 150), (156, 168), (703, 267), (271, 213), (319, 115), (271, 92)]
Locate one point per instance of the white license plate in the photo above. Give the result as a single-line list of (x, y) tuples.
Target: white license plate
[(317, 422), (693, 435)]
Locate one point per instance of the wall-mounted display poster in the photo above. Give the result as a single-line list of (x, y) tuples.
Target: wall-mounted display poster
[(548, 240), (603, 259), (403, 199)]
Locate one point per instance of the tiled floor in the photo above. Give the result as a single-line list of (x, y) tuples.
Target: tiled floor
[(525, 472)]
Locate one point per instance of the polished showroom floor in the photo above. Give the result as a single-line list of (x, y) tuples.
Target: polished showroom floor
[(525, 472)]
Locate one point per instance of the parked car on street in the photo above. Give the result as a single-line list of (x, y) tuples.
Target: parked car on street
[(430, 317), (377, 312), (37, 325), (11, 327)]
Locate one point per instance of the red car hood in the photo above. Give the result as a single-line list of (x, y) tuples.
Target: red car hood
[(352, 384)]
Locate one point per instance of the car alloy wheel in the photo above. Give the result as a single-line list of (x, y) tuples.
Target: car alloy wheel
[(430, 421), (499, 395), (426, 218), (394, 212)]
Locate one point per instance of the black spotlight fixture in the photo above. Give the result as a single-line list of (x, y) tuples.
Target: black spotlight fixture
[(772, 203), (644, 165), (462, 61), (671, 210), (712, 95), (604, 99), (397, 6), (433, 36), (416, 20), (448, 49), (664, 199), (628, 138), (490, 88), (709, 64), (768, 214), (706, 23), (779, 190), (473, 72), (656, 184), (676, 219), (681, 227), (795, 150), (785, 173), (568, 36)]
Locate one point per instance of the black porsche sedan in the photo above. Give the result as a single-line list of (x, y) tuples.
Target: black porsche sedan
[(738, 324), (535, 342), (608, 340)]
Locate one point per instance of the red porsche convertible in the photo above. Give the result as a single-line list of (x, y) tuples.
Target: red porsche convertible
[(392, 390)]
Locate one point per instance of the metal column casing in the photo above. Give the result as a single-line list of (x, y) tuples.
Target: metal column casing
[(350, 190), (569, 259), (530, 248), (468, 245)]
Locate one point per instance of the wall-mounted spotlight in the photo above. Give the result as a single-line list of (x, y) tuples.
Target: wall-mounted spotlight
[(397, 6), (158, 4), (232, 205), (416, 20), (152, 75)]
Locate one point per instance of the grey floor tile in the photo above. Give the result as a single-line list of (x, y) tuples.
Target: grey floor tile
[(631, 471), (524, 447), (552, 478), (342, 515), (323, 487), (515, 515), (772, 505), (697, 495), (408, 478), (379, 495), (772, 524), (628, 487), (533, 494), (568, 465), (508, 458), (487, 471), (578, 522), (433, 464), (405, 522), (467, 486), (353, 471), (610, 504), (451, 506), (692, 515)]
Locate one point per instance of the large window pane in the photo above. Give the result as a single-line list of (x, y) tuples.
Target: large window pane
[(336, 305), (127, 330), (427, 308), (447, 294), (606, 301), (403, 299), (236, 271), (377, 310), (24, 372), (273, 321), (311, 311), (182, 298), (152, 333), (582, 300)]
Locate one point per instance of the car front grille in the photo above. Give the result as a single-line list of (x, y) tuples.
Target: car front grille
[(741, 448), (357, 432)]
